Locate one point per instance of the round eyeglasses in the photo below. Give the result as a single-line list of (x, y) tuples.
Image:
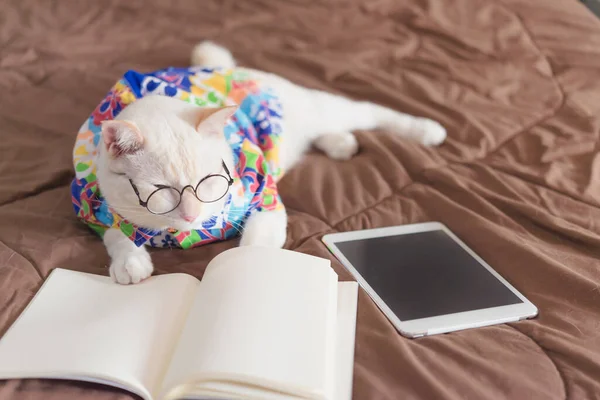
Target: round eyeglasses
[(166, 198)]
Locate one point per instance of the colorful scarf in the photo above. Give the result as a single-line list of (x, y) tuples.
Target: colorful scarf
[(253, 132)]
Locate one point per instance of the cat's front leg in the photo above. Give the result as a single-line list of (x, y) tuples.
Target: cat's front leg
[(129, 263), (265, 228)]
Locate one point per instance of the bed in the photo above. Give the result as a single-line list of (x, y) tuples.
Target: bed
[(515, 82)]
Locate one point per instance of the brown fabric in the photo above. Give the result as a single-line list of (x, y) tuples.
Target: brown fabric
[(516, 82)]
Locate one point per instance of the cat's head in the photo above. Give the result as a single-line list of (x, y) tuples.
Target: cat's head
[(160, 141)]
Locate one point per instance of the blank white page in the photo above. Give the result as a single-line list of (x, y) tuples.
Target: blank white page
[(86, 327), (262, 316), (345, 339), (344, 360)]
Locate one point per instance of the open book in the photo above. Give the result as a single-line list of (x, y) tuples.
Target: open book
[(262, 324)]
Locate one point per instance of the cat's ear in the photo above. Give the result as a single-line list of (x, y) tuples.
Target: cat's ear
[(122, 137), (212, 120)]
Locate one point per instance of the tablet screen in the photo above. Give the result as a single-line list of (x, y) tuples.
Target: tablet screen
[(425, 274)]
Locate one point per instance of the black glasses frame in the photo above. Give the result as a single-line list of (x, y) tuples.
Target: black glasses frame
[(144, 203)]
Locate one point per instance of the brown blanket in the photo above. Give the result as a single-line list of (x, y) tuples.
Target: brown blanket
[(516, 83)]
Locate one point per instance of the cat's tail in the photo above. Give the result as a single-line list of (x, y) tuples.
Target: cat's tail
[(211, 55)]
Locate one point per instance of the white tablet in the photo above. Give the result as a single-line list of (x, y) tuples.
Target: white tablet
[(426, 281)]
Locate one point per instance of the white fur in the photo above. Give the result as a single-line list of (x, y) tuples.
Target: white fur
[(310, 114), (129, 263), (265, 229), (210, 55), (338, 146), (177, 154), (174, 153)]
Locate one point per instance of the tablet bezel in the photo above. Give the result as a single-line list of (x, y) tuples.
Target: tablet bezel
[(443, 323)]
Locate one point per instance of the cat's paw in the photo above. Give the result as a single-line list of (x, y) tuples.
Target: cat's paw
[(338, 146), (131, 267), (429, 132), (266, 228)]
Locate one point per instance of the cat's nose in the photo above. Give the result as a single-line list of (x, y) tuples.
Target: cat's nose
[(188, 218), (189, 208)]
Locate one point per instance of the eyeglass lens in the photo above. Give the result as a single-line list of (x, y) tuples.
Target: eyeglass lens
[(209, 190)]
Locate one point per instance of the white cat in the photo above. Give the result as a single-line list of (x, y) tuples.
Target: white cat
[(160, 140)]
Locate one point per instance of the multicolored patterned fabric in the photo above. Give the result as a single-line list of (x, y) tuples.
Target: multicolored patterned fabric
[(253, 132)]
